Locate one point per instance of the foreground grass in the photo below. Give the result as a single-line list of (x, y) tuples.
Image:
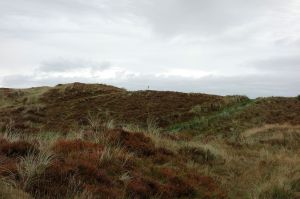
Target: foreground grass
[(263, 164), (106, 164)]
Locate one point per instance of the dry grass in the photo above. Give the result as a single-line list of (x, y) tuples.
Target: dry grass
[(257, 167), (259, 170), (250, 170), (100, 121), (92, 161), (10, 136), (150, 128), (165, 142), (113, 153), (254, 168), (32, 166), (133, 128), (7, 191), (283, 127)]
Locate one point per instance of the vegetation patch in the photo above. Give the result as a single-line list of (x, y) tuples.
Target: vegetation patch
[(98, 141)]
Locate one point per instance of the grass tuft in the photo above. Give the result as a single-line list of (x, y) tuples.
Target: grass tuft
[(32, 166)]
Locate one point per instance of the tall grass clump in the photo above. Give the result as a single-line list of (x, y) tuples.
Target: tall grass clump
[(109, 154), (133, 128), (100, 121), (32, 166), (112, 154), (95, 121), (10, 134), (152, 126)]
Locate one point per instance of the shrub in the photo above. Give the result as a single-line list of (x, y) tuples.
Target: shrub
[(133, 142), (69, 146), (141, 187), (196, 109), (178, 187), (206, 108), (72, 175), (298, 97), (8, 167), (18, 148), (233, 99)]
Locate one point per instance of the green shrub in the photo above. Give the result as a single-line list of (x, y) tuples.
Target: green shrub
[(198, 109), (298, 97)]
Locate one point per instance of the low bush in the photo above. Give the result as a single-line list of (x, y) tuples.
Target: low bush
[(17, 148), (137, 143), (68, 146)]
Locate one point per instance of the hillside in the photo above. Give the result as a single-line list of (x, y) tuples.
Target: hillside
[(99, 141)]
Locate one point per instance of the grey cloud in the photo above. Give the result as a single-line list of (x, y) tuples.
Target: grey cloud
[(205, 16), (288, 64), (168, 17), (154, 37), (43, 8), (36, 17), (66, 65)]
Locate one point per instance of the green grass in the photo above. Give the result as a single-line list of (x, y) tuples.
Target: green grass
[(30, 96), (203, 124)]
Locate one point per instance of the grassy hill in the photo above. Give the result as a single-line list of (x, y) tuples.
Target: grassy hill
[(98, 141)]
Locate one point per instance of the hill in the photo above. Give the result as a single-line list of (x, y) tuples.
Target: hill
[(99, 141)]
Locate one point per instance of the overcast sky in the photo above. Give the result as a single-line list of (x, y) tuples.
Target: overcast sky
[(213, 46)]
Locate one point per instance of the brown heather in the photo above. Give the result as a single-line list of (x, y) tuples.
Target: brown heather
[(97, 141)]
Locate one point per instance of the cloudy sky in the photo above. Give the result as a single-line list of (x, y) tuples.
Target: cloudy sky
[(213, 46)]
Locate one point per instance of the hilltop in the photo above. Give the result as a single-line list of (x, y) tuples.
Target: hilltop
[(100, 141)]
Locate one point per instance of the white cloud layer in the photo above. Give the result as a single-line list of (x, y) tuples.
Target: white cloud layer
[(221, 47)]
